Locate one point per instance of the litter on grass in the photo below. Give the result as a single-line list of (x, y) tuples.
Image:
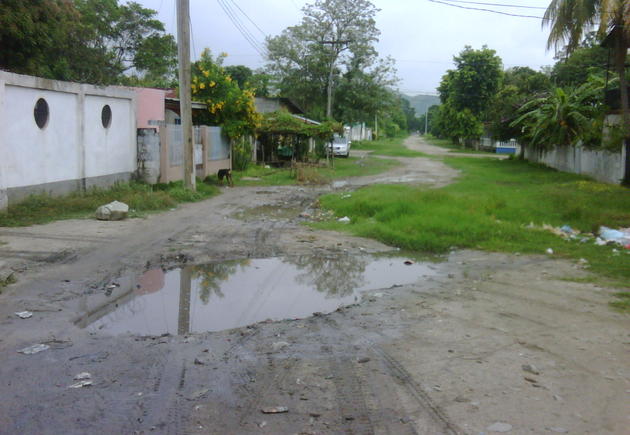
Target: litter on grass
[(620, 236), (605, 236)]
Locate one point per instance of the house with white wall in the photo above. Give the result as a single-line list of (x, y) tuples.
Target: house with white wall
[(58, 137)]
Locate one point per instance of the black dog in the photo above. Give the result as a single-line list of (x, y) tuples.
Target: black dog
[(227, 174)]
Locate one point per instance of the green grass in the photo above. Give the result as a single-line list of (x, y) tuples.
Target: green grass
[(448, 144), (387, 147), (7, 281), (622, 302), (141, 198), (344, 167), (488, 208)]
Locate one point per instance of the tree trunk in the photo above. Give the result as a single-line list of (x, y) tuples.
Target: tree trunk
[(621, 51)]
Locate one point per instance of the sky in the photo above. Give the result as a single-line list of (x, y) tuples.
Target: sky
[(421, 36)]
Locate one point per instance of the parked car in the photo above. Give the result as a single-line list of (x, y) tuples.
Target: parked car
[(340, 146)]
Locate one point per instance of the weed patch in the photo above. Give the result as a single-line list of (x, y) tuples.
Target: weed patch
[(350, 167), (490, 208), (388, 147), (141, 198)]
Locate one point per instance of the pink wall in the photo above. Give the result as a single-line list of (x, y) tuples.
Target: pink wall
[(149, 106)]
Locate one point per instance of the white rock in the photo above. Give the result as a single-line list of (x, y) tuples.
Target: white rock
[(114, 211)]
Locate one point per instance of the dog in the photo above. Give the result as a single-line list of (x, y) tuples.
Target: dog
[(227, 174)]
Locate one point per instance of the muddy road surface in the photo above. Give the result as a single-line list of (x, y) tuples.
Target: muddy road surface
[(231, 317)]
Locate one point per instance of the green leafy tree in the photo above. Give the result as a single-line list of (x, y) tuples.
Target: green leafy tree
[(37, 37), (570, 20), (93, 41), (476, 79), (466, 93), (229, 106), (563, 117), (520, 84), (331, 49)]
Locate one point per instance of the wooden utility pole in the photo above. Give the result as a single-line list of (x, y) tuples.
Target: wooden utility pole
[(185, 106)]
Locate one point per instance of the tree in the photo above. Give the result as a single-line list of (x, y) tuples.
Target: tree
[(134, 42), (476, 79), (311, 59), (466, 93), (564, 116), (93, 41), (575, 68), (569, 20), (520, 84), (36, 37), (229, 106)]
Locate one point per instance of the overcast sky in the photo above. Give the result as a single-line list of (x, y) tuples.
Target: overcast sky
[(420, 35)]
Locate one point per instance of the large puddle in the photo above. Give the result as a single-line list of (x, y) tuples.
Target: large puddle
[(232, 294)]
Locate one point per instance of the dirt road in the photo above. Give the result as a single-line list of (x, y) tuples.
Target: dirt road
[(475, 343)]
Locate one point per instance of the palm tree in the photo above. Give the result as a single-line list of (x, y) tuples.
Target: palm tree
[(569, 20)]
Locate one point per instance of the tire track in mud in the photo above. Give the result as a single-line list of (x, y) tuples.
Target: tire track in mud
[(163, 412), (397, 370)]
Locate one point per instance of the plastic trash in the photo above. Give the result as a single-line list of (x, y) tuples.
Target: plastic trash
[(344, 219), (549, 251), (566, 229), (275, 410), (24, 314), (36, 348), (81, 384), (621, 237), (82, 376)]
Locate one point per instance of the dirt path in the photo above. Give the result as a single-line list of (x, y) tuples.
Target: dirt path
[(479, 339)]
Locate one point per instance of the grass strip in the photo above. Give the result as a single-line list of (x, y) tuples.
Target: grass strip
[(387, 147), (141, 198), (448, 144), (344, 167), (489, 208)]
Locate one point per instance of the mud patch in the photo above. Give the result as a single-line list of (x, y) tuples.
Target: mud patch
[(220, 296), (268, 211)]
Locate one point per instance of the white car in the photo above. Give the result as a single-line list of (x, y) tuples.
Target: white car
[(340, 146)]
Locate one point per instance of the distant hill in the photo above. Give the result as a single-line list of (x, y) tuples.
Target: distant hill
[(422, 102)]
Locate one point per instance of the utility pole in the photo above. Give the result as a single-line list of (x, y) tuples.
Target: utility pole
[(334, 54), (185, 105), (376, 126), (426, 120)]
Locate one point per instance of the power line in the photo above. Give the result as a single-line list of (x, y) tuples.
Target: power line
[(240, 27), (250, 20), (486, 10), (503, 5)]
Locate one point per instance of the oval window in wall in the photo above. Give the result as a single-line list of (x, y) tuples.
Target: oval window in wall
[(106, 116), (41, 113)]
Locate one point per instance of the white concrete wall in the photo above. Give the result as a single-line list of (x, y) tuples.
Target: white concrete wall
[(73, 150), (601, 165)]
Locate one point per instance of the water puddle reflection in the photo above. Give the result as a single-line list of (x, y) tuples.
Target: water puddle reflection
[(219, 296)]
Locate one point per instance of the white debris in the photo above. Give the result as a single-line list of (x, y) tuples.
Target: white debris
[(549, 251), (81, 384), (36, 348), (24, 314), (82, 376), (344, 219)]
